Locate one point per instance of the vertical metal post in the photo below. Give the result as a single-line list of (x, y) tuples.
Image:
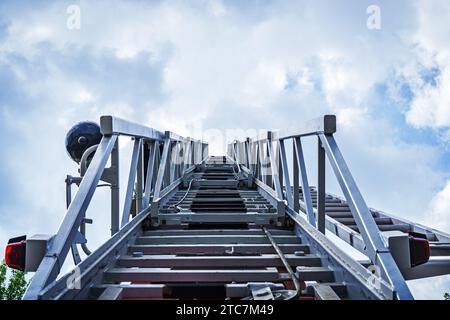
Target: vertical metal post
[(273, 166), (58, 249), (191, 160), (236, 154), (115, 195), (253, 158), (204, 151), (267, 150), (248, 155), (376, 249), (174, 162), (150, 172), (262, 162), (296, 178), (286, 174), (186, 156), (139, 181), (321, 187), (305, 185), (279, 165), (75, 254), (167, 165), (160, 177), (131, 178)]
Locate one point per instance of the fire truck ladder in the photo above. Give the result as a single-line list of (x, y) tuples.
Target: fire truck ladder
[(194, 226)]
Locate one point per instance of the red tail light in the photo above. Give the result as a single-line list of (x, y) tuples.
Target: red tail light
[(15, 253), (419, 250)]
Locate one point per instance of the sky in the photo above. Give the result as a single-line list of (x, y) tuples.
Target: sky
[(205, 67)]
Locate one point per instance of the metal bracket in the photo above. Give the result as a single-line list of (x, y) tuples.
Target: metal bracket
[(79, 238), (261, 291)]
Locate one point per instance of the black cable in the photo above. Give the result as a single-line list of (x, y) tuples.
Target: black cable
[(285, 262)]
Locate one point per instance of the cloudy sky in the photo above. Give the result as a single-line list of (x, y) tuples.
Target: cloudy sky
[(218, 65)]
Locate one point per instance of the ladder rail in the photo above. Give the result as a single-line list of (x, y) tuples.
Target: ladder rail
[(324, 128), (112, 128)]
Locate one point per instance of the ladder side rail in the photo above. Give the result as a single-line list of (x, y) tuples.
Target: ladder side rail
[(90, 270), (68, 233), (361, 283), (110, 125), (168, 178), (377, 251), (439, 236), (61, 243)]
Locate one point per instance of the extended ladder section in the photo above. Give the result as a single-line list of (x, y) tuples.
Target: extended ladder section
[(340, 221), (195, 226)]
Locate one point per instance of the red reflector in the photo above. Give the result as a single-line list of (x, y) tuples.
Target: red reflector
[(15, 255), (419, 250)]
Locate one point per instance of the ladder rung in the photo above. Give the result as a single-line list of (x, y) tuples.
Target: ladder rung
[(217, 248), (378, 221), (181, 232), (159, 291), (392, 227), (267, 260), (169, 275), (130, 291), (337, 209), (216, 239)]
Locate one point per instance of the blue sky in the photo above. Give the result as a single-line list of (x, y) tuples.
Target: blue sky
[(218, 65)]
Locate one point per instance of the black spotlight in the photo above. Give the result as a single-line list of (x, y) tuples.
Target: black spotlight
[(80, 137)]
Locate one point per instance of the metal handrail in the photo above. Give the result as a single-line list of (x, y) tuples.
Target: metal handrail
[(259, 155), (162, 172)]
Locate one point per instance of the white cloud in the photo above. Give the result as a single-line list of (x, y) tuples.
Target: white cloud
[(439, 209), (431, 104)]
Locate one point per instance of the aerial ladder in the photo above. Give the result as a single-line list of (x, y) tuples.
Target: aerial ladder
[(246, 225)]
